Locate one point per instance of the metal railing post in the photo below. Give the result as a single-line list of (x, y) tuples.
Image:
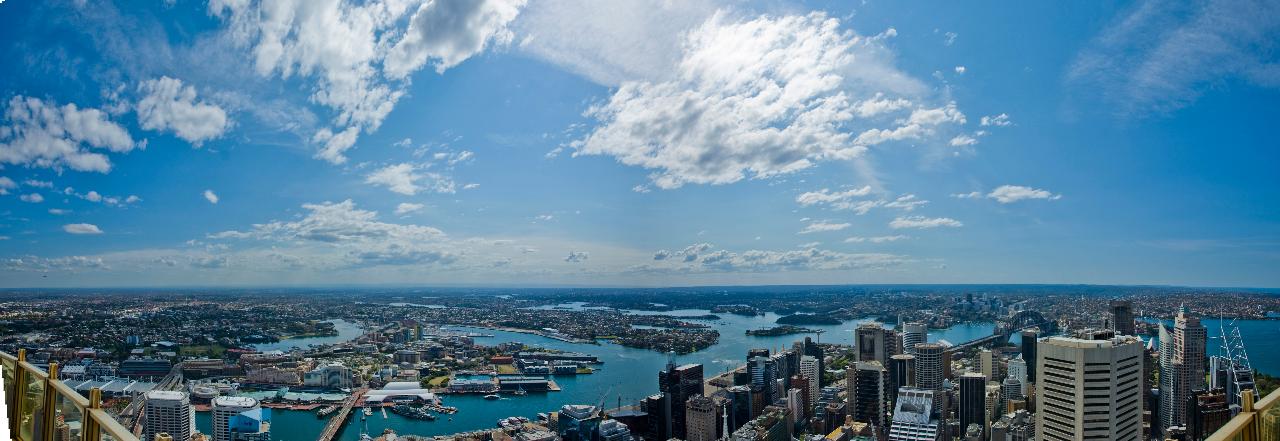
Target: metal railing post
[(50, 401), (91, 430)]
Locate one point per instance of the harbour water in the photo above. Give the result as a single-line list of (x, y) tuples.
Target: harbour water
[(347, 331), (628, 374)]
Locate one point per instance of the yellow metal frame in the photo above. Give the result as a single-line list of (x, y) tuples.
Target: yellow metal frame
[(96, 425), (1247, 426)]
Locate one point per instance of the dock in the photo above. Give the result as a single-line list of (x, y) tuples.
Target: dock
[(336, 423)]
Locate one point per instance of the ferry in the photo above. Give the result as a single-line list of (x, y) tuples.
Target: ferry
[(417, 413), (492, 397), (326, 411)]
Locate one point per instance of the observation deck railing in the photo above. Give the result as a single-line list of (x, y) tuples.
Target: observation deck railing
[(1258, 421), (42, 408)]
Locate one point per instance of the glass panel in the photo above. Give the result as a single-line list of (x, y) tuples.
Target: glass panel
[(68, 421), (31, 410), (107, 436), (1269, 424), (9, 387)]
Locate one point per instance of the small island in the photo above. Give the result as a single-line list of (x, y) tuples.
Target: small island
[(779, 330), (807, 319)]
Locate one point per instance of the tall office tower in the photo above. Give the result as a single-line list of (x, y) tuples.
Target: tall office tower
[(226, 407), (913, 333), (1122, 317), (1182, 369), (169, 412), (679, 384), (988, 360), (702, 417), (764, 375), (871, 343), (612, 430), (1018, 371), (1207, 411), (1014, 426), (1010, 391), (578, 422), (811, 368), (914, 418), (1090, 389), (803, 384), (655, 406), (973, 400), (788, 365), (1029, 340), (929, 369), (811, 349), (740, 408), (868, 395), (993, 400), (902, 373)]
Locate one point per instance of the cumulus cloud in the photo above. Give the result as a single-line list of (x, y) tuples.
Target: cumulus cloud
[(36, 183), (451, 31), (1006, 194), (44, 264), (921, 222), (168, 105), (359, 54), (824, 226), (210, 196), (825, 196), (34, 198), (804, 259), (960, 70), (42, 134), (406, 179), (576, 257), (963, 140), (82, 229), (6, 184), (406, 208), (688, 254), (1000, 120), (970, 195), (755, 98)]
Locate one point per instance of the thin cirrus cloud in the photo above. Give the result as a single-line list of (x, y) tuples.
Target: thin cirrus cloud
[(921, 222), (1007, 194), (823, 226)]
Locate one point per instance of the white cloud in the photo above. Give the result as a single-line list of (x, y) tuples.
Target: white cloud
[(404, 179), (996, 120), (825, 196), (1160, 56), (970, 195), (58, 211), (950, 38), (81, 229), (824, 226), (754, 98), (1013, 193), (40, 134), (960, 70), (963, 141), (879, 105), (804, 259), (451, 31), (93, 196), (168, 105), (34, 198), (922, 222), (577, 257), (35, 183), (210, 196), (6, 184), (471, 186), (544, 217), (875, 239), (406, 208), (359, 55)]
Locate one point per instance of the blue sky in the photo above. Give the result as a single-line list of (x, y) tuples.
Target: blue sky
[(574, 142)]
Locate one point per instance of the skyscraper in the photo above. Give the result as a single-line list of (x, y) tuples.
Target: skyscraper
[(872, 343), (1091, 388), (902, 373), (913, 333), (811, 369), (1122, 317), (973, 392), (1018, 371), (763, 371), (702, 417), (868, 393), (1029, 340), (987, 361), (914, 418), (929, 369), (811, 349), (678, 384), (1182, 367), (1207, 411), (169, 412), (224, 408)]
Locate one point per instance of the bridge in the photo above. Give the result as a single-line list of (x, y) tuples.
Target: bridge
[(1005, 329), (335, 424)]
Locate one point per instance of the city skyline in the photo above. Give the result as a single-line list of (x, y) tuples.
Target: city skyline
[(573, 143)]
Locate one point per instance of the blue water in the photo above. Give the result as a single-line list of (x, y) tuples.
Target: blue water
[(347, 331), (1261, 340), (631, 374)]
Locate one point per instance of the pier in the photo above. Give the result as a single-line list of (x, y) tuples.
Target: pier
[(335, 424)]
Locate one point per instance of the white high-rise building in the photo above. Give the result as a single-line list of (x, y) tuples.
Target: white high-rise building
[(913, 333), (226, 407), (169, 412), (1018, 371), (1182, 367), (1089, 388), (809, 368), (914, 418)]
